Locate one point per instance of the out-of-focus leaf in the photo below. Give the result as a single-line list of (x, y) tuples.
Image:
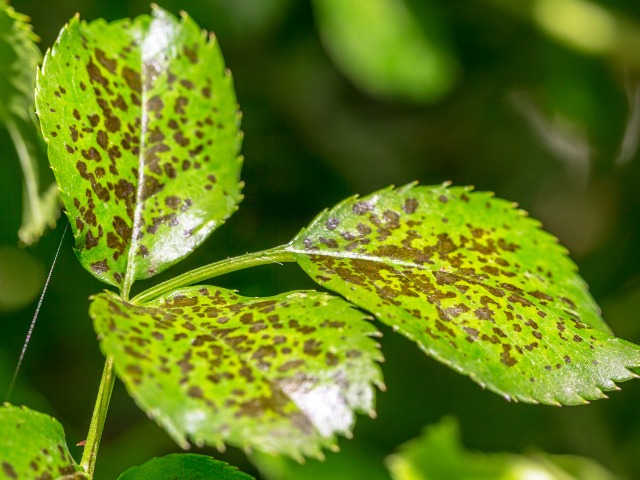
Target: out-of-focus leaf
[(279, 374), (439, 454), (476, 284), (21, 278), (142, 126), (184, 467), (19, 59), (32, 445), (381, 47)]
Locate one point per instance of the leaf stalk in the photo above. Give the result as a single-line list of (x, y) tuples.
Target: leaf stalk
[(92, 444), (279, 254)]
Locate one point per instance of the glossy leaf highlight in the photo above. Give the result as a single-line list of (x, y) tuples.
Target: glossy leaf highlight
[(142, 126), (184, 467), (476, 284), (279, 374), (32, 445)]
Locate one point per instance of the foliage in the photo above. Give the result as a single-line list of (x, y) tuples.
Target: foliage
[(383, 48), (33, 446), (279, 374), (184, 467), (144, 142), (151, 91), (438, 453), (19, 57)]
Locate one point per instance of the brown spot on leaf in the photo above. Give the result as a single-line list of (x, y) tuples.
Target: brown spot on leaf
[(133, 79), (105, 61)]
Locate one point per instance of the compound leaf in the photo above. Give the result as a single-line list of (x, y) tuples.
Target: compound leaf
[(19, 59), (281, 374), (184, 467), (32, 445), (476, 284), (142, 126)]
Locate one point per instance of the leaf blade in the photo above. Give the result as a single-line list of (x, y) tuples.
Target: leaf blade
[(32, 445), (476, 284), (439, 453), (384, 50), (275, 374), (143, 138), (19, 59), (184, 467)]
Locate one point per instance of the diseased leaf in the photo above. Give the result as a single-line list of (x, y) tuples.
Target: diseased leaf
[(439, 454), (184, 467), (19, 59), (476, 284), (32, 445), (142, 126), (280, 374), (381, 46)]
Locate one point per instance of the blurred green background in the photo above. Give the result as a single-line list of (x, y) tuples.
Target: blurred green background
[(536, 100)]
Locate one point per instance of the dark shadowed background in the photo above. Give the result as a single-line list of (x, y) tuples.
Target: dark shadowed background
[(538, 101)]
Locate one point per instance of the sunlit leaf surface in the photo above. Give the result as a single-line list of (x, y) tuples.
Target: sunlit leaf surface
[(19, 59), (32, 445), (439, 454), (142, 126), (382, 47), (476, 284), (280, 374), (184, 467)]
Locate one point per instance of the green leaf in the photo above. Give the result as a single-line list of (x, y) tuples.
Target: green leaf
[(19, 59), (476, 284), (184, 467), (142, 126), (280, 374), (381, 46), (439, 454), (32, 445)]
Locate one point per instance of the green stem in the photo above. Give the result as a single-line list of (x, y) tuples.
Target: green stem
[(274, 255), (90, 452), (28, 169)]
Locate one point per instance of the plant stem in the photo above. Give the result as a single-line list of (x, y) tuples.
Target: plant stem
[(28, 170), (274, 255), (90, 452)]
